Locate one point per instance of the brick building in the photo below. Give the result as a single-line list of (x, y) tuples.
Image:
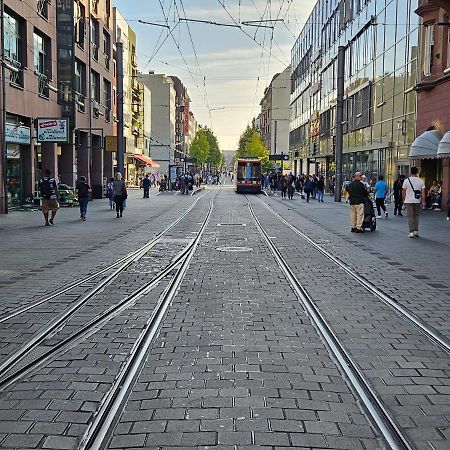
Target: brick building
[(431, 150)]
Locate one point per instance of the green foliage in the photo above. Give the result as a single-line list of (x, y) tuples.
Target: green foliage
[(199, 149), (251, 145), (215, 155)]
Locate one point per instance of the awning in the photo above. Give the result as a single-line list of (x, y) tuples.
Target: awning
[(146, 160), (426, 145), (444, 146)]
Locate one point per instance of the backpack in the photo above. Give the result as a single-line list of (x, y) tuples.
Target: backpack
[(46, 187), (83, 189)]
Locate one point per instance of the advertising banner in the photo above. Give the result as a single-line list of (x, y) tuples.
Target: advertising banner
[(186, 117), (52, 130), (17, 134)]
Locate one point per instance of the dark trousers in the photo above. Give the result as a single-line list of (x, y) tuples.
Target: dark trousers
[(380, 205), (118, 200), (146, 191), (283, 193), (83, 205), (308, 194), (398, 205)]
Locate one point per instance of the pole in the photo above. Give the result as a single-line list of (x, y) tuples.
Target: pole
[(339, 122), (91, 99), (119, 102), (3, 113)]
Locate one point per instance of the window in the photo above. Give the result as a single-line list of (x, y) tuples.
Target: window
[(428, 44), (80, 25), (107, 99), (13, 51), (41, 61), (95, 38), (95, 86), (107, 48), (80, 84), (42, 8)]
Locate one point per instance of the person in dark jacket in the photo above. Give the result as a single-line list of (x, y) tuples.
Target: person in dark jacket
[(320, 189), (398, 186), (146, 186), (83, 191), (309, 188), (284, 186), (357, 195)]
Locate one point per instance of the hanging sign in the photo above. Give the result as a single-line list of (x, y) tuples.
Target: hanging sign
[(52, 130), (17, 134)]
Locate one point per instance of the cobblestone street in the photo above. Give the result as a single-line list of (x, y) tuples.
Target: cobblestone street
[(223, 321)]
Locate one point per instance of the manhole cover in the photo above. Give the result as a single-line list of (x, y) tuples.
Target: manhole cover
[(234, 249)]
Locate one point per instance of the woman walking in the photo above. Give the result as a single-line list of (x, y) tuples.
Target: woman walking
[(320, 189), (110, 192), (284, 186), (83, 191), (120, 193)]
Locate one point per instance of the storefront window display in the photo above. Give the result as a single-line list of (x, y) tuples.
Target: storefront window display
[(14, 175)]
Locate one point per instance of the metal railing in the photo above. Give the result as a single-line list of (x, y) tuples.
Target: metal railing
[(42, 8), (43, 85)]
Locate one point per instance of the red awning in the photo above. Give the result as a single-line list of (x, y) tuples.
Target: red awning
[(146, 160)]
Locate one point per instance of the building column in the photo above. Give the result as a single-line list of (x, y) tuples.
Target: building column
[(108, 169), (28, 168), (83, 157), (97, 167), (49, 158), (67, 169)]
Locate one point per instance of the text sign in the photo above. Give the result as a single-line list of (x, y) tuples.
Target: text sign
[(279, 157), (52, 130), (17, 134), (110, 143)]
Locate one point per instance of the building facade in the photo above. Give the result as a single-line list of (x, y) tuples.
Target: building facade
[(433, 95), (85, 79), (182, 103), (381, 39), (30, 54), (163, 117)]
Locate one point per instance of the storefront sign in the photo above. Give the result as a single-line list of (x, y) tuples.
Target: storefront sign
[(52, 130), (110, 143), (186, 117), (17, 134)]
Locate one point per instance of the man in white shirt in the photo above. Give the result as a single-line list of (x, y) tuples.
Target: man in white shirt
[(414, 199)]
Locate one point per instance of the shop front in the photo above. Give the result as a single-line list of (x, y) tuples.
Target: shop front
[(18, 141), (138, 165)]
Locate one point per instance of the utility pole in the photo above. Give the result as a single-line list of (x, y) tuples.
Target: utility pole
[(119, 97), (339, 122), (4, 207)]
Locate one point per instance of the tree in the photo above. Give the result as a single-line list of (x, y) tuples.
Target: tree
[(215, 155), (251, 145), (199, 149)]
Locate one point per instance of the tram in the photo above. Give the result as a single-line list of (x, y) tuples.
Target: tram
[(247, 176)]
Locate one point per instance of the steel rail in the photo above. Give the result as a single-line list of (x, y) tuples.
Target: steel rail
[(101, 428), (122, 263), (382, 419), (430, 332), (93, 324), (18, 355)]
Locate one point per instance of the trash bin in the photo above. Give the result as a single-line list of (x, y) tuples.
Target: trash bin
[(97, 191)]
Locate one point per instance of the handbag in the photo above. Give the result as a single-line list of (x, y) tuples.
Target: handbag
[(417, 193), (124, 193)]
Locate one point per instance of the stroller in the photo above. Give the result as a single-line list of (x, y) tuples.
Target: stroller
[(370, 220)]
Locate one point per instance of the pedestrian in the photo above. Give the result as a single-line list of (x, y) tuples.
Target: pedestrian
[(398, 197), (309, 188), (48, 189), (120, 193), (110, 192), (320, 189), (381, 190), (357, 194), (414, 199), (146, 185), (283, 186), (291, 186), (83, 191)]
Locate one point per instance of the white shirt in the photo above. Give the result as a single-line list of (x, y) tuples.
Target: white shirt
[(418, 185)]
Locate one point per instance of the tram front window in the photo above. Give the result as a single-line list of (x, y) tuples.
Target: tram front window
[(249, 172)]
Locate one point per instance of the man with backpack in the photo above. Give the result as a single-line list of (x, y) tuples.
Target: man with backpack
[(413, 198), (357, 195), (48, 189)]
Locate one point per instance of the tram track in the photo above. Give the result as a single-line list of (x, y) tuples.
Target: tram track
[(388, 428), (102, 426), (427, 330), (120, 265), (15, 366)]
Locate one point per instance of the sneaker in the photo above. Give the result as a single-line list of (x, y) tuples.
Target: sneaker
[(359, 230), (416, 234), (378, 217), (386, 214), (400, 214), (411, 235), (117, 215), (51, 222), (353, 230), (448, 218)]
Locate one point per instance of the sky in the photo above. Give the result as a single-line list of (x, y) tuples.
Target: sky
[(223, 68)]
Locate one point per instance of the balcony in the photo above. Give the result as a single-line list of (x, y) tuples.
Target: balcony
[(107, 61), (108, 115), (15, 73), (134, 60), (43, 89)]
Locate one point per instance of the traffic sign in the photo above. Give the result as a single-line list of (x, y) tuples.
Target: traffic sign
[(281, 157)]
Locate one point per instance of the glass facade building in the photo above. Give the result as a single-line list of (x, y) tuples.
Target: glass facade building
[(381, 39)]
